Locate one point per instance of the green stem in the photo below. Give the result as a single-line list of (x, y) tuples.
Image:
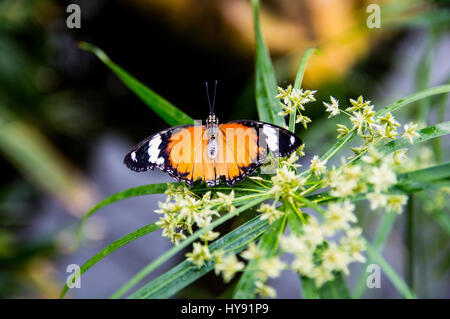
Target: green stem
[(410, 242)]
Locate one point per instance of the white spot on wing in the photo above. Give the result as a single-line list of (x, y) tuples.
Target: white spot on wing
[(133, 156), (272, 137), (292, 139), (153, 149)]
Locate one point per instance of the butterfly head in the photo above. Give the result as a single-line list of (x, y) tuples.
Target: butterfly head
[(212, 120)]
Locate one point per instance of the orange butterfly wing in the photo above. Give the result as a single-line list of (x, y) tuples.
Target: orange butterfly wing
[(182, 151)]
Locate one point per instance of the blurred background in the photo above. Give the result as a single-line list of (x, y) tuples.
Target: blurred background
[(66, 121)]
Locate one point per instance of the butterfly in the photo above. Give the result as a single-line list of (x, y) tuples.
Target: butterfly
[(212, 152)]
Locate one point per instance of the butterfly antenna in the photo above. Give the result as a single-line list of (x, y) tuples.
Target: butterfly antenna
[(211, 106), (214, 98)]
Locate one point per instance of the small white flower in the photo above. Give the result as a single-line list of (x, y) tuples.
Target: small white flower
[(269, 212), (354, 243), (335, 258), (286, 182), (358, 104), (382, 177), (321, 275), (358, 120), (342, 130), (224, 201), (252, 252), (396, 203), (338, 217), (317, 166), (303, 264), (265, 291), (410, 132), (228, 266), (199, 255), (271, 267), (332, 108), (295, 245), (312, 233), (377, 200), (210, 235)]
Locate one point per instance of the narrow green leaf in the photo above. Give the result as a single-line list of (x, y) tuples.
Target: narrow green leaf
[(381, 236), (264, 113), (309, 289), (112, 247), (413, 98), (268, 245), (185, 273), (298, 83), (167, 111), (132, 192), (432, 173), (335, 289), (176, 249), (266, 84), (396, 280)]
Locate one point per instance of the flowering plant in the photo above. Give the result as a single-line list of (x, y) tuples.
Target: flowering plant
[(316, 203)]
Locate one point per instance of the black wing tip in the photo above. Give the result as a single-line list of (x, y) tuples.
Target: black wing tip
[(133, 166)]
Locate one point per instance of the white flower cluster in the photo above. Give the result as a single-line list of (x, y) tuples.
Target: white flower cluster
[(316, 255), (183, 209), (265, 268), (370, 127), (375, 177), (293, 99)]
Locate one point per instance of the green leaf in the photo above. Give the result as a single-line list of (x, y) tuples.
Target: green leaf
[(167, 111), (132, 192), (413, 98), (427, 178), (335, 289), (266, 84), (185, 273), (396, 280), (112, 247), (268, 244), (298, 83), (381, 236), (429, 174), (176, 249)]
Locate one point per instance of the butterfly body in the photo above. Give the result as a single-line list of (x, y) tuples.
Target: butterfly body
[(213, 152)]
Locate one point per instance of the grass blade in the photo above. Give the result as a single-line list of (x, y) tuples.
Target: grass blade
[(176, 249), (298, 83), (266, 83), (167, 111), (112, 247), (381, 236), (132, 192), (396, 280), (185, 273)]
